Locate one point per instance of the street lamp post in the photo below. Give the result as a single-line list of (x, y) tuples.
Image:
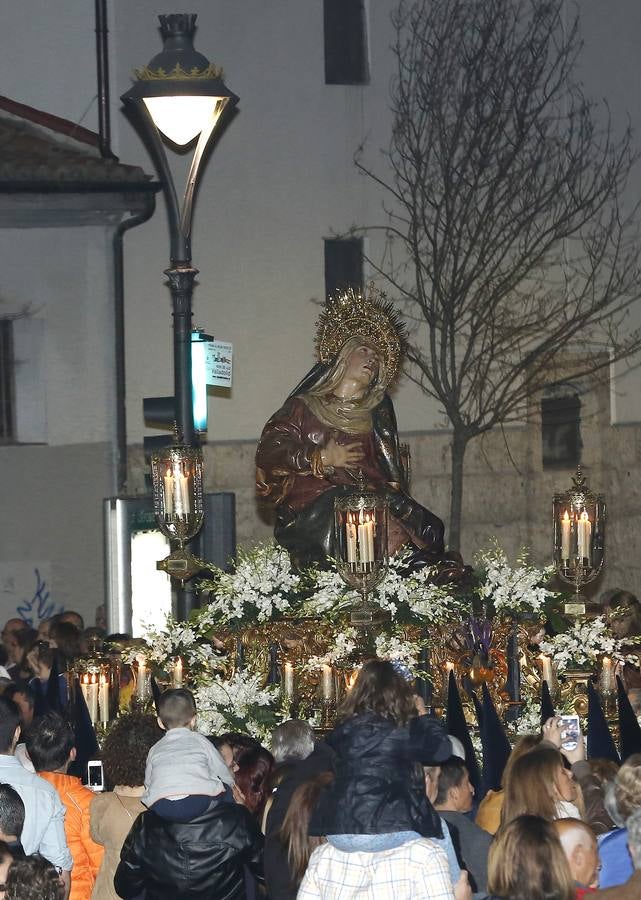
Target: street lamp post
[(179, 97)]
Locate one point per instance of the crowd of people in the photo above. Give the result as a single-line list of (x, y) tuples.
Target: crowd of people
[(382, 807)]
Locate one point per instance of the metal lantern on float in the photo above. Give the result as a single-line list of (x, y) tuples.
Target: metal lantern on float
[(97, 678), (579, 537), (360, 527), (177, 480)]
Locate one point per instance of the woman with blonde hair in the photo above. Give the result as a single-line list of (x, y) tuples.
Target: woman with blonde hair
[(539, 784), (488, 816), (527, 862)]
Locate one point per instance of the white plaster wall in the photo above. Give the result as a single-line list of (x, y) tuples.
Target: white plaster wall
[(64, 276)]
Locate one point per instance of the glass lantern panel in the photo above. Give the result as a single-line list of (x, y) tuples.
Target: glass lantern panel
[(182, 118)]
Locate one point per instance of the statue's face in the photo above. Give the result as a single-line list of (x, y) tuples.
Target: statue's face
[(362, 365)]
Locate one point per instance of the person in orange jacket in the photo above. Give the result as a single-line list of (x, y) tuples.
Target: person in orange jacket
[(50, 745)]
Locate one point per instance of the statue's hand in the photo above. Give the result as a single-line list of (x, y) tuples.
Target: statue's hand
[(342, 456)]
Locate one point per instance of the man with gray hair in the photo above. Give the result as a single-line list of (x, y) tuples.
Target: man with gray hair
[(291, 741)]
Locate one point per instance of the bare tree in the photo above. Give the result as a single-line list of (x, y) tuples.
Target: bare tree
[(505, 235)]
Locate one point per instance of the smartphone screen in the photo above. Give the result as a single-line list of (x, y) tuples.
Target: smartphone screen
[(570, 732), (95, 779)]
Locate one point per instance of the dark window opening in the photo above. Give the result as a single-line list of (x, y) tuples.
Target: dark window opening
[(345, 28), (561, 430), (343, 265)]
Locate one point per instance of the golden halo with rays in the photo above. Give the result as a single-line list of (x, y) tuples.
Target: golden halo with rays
[(372, 317)]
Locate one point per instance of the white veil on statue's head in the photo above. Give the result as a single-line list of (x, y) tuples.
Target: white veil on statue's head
[(348, 321)]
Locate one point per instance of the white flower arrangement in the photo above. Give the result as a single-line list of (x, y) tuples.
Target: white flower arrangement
[(330, 593), (396, 649), (512, 589), (430, 603), (344, 644), (260, 587), (182, 639), (239, 702), (582, 645)]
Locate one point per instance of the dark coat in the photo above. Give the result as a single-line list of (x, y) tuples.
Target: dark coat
[(198, 860), (472, 846), (378, 787), (277, 875)]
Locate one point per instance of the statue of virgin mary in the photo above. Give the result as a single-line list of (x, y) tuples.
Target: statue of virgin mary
[(339, 421)]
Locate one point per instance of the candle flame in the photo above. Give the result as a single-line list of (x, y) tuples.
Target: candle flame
[(566, 517), (584, 516)]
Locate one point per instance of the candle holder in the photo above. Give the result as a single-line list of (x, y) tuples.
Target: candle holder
[(360, 528), (97, 678), (579, 538), (177, 480), (142, 683), (607, 686), (177, 673)]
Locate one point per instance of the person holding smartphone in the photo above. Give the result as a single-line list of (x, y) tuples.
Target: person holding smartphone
[(50, 745)]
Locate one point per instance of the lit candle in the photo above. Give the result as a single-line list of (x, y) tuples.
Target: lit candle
[(169, 492), (547, 670), (584, 536), (350, 533), (177, 674), (327, 683), (103, 699), (288, 681), (370, 537), (183, 489), (607, 676), (565, 536), (365, 539), (141, 680), (92, 701), (84, 687)]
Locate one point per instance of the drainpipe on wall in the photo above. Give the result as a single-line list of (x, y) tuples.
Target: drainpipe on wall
[(119, 339)]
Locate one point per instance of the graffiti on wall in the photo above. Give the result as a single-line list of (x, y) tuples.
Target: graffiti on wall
[(25, 592)]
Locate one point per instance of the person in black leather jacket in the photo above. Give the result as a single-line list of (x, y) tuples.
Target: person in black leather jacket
[(378, 789), (201, 859)]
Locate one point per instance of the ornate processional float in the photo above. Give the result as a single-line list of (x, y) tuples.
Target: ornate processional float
[(359, 568)]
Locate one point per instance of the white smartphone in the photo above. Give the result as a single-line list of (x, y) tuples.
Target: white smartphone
[(570, 732), (95, 775)]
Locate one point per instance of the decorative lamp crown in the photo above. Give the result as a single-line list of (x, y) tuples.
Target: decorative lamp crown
[(349, 314)]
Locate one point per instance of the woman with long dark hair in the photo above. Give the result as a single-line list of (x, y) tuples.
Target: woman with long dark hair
[(377, 801)]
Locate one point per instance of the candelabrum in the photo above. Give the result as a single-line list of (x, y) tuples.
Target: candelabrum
[(360, 526), (177, 480), (579, 538)]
